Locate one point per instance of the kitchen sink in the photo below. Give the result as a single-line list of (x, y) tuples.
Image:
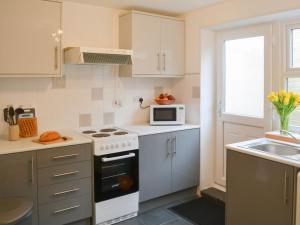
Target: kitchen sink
[(275, 148)]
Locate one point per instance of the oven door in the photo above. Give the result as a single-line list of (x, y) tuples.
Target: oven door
[(116, 175)]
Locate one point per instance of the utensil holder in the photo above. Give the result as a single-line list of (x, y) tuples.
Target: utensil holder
[(13, 133)]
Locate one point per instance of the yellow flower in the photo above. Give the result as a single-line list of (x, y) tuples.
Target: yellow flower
[(296, 103), (273, 97), (297, 98), (286, 101), (282, 93)]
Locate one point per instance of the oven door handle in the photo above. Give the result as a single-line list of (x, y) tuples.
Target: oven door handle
[(130, 155)]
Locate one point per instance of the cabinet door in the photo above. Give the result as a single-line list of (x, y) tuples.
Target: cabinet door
[(172, 47), (146, 45), (18, 177), (155, 166), (186, 159), (259, 191), (30, 42)]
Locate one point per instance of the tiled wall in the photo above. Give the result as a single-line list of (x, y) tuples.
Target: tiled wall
[(83, 97)]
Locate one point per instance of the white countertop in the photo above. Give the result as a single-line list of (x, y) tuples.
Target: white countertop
[(146, 129), (26, 144), (277, 158)]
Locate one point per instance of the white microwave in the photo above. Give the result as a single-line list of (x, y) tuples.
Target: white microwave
[(167, 114)]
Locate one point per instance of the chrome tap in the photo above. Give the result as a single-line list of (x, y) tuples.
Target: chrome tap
[(291, 135)]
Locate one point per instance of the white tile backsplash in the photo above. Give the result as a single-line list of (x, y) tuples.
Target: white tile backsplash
[(60, 108)]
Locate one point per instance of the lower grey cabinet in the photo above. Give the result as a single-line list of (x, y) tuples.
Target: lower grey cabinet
[(259, 191), (18, 178), (65, 185), (186, 160), (169, 162), (61, 188), (155, 166)]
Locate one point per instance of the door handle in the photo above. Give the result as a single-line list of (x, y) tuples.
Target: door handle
[(130, 155), (174, 143), (32, 170), (220, 109), (158, 61), (168, 147), (55, 57), (164, 61), (285, 194)]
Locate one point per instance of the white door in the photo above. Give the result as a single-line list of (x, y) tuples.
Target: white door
[(172, 47), (30, 37), (244, 80), (146, 44)]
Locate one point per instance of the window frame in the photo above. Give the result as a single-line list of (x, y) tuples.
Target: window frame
[(287, 49)]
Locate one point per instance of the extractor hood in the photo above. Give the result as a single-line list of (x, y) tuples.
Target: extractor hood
[(87, 55)]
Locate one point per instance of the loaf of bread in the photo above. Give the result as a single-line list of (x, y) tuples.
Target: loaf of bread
[(49, 136)]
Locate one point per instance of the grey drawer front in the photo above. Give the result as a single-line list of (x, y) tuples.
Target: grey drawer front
[(63, 155), (66, 211), (59, 174), (64, 191)]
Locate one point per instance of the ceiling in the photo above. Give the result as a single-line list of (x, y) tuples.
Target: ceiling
[(171, 7)]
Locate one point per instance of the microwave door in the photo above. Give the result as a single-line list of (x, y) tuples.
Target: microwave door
[(164, 114)]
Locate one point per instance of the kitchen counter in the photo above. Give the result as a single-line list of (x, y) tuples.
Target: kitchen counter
[(277, 158), (26, 144), (146, 129)]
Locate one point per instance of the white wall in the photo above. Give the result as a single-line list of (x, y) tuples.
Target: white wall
[(199, 60), (85, 92)]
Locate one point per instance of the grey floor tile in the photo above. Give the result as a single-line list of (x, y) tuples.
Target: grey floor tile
[(156, 217), (178, 222), (134, 221)]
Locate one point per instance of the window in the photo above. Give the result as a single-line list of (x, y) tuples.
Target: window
[(293, 49), (293, 84), (244, 76)]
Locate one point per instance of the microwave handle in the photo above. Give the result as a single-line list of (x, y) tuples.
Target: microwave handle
[(130, 155)]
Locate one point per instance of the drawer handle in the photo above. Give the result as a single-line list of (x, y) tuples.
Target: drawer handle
[(66, 174), (66, 192), (65, 156), (66, 209)]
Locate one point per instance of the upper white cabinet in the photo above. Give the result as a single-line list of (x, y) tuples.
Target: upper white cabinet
[(157, 43), (30, 38)]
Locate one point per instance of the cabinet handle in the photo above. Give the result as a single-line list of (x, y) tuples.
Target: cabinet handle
[(174, 143), (66, 209), (55, 57), (66, 192), (164, 62), (65, 156), (168, 147), (32, 170), (66, 174), (158, 61), (285, 194)]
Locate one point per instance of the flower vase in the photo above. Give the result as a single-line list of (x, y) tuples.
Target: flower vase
[(284, 124)]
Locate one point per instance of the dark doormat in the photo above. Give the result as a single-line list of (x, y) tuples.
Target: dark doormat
[(201, 211)]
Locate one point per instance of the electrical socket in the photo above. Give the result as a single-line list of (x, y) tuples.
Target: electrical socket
[(137, 99)]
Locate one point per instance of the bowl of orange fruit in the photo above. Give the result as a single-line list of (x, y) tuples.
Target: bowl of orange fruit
[(165, 99)]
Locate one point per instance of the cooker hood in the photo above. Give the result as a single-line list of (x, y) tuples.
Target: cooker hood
[(87, 55)]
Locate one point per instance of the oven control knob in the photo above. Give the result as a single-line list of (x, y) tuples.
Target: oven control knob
[(116, 145), (101, 148), (128, 143), (111, 146), (106, 147), (123, 144)]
